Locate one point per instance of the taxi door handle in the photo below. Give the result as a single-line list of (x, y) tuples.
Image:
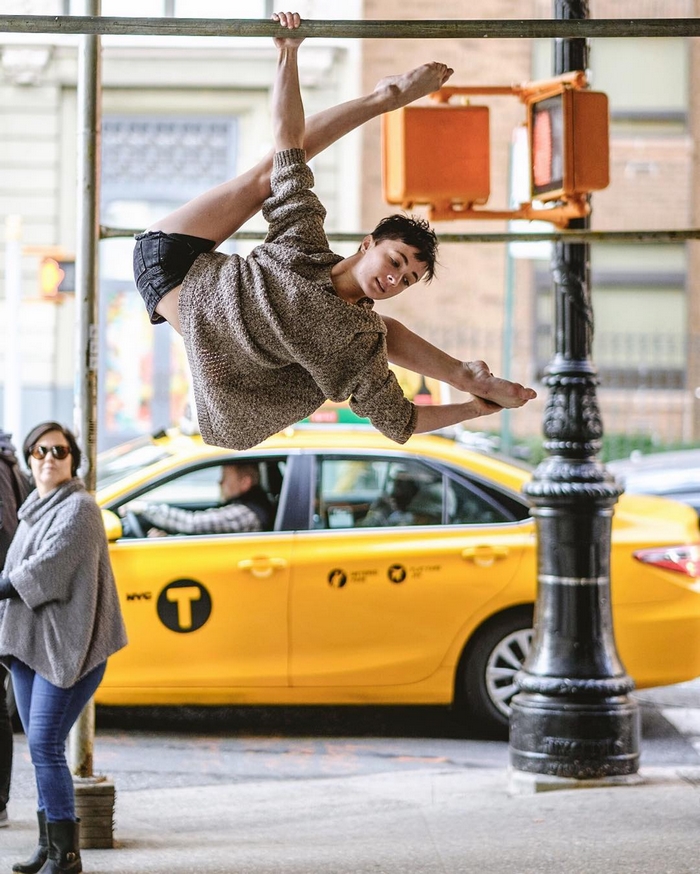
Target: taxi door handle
[(484, 556), (262, 566)]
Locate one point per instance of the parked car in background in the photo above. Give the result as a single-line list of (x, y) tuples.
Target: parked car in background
[(674, 475), (392, 575)]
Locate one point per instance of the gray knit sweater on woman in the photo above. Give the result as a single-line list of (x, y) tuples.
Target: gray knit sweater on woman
[(267, 337), (66, 620)]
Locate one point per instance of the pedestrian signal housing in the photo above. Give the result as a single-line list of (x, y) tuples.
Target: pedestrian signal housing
[(440, 155), (437, 155), (569, 144)]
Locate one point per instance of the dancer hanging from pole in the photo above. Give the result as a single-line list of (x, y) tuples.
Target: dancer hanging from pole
[(271, 336)]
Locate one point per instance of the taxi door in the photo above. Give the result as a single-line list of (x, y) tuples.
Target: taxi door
[(381, 605), (202, 613)]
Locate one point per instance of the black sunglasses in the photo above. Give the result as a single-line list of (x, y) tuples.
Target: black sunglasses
[(59, 452)]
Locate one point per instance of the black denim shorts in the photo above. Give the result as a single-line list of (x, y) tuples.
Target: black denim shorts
[(161, 262)]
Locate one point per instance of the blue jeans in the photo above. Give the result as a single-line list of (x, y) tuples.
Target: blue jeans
[(48, 713)]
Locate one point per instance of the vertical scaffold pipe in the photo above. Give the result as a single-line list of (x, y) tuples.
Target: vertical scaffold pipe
[(86, 288), (572, 717), (94, 795)]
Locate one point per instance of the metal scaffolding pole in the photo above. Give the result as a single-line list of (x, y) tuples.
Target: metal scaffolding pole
[(580, 235), (94, 795), (420, 30), (86, 284), (88, 235)]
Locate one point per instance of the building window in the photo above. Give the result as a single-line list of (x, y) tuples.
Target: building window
[(639, 306), (166, 158), (646, 80)]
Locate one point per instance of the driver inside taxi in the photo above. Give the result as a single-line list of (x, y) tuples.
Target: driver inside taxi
[(244, 507)]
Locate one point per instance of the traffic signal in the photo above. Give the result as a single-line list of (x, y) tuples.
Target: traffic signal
[(439, 156), (56, 276), (569, 144), (436, 155)]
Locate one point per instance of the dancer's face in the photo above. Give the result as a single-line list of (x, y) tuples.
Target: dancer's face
[(387, 268)]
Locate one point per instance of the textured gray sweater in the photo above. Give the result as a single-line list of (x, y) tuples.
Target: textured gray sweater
[(67, 618), (268, 339)]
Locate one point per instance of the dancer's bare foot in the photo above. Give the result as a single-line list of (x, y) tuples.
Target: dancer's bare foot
[(404, 88), (476, 378)]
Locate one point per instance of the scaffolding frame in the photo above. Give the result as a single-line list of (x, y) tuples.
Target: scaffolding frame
[(90, 27)]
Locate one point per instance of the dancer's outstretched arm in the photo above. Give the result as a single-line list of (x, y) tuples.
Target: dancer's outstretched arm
[(432, 418), (287, 108), (407, 349)]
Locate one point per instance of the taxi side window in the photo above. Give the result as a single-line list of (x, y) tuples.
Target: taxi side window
[(377, 492), (195, 490), (346, 489), (469, 507), (381, 492)]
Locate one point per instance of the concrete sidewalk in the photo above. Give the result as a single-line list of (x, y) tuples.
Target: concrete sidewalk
[(433, 820), (243, 803)]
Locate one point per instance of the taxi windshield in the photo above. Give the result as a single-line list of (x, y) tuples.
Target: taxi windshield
[(114, 464)]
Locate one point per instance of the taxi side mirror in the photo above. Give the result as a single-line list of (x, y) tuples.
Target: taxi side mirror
[(113, 525)]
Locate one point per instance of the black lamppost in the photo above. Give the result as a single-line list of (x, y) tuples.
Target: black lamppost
[(572, 717)]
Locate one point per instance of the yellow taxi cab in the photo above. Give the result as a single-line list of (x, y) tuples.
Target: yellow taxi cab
[(391, 575)]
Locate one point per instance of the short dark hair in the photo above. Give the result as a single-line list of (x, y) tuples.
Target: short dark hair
[(413, 231), (38, 432), (248, 468)]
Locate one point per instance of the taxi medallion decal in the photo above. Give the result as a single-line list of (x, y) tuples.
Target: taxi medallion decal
[(184, 606)]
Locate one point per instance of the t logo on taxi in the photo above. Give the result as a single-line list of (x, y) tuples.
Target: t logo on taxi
[(184, 606)]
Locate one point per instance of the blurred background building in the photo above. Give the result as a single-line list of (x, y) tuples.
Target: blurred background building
[(181, 114)]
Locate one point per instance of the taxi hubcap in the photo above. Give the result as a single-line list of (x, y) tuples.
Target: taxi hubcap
[(504, 662)]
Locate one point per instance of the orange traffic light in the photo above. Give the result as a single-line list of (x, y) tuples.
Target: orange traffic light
[(56, 276), (439, 156), (569, 144)]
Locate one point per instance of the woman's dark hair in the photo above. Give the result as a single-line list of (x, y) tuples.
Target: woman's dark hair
[(38, 432), (413, 231)]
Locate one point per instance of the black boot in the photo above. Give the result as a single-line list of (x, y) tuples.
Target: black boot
[(64, 848), (34, 864)]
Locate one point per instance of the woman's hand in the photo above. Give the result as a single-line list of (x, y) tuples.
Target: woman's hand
[(290, 20)]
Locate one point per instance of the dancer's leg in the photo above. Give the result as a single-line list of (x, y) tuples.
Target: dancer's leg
[(220, 212)]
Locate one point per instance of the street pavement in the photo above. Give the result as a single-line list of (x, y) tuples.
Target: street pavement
[(337, 792)]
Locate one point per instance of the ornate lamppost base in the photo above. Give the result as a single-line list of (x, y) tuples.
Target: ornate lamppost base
[(583, 740)]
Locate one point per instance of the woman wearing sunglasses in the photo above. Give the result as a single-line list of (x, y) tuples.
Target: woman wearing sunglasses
[(60, 620)]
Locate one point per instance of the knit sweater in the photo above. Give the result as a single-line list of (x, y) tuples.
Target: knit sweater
[(66, 620), (267, 337)]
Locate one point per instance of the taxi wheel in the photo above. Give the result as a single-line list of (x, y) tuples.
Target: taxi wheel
[(486, 676)]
